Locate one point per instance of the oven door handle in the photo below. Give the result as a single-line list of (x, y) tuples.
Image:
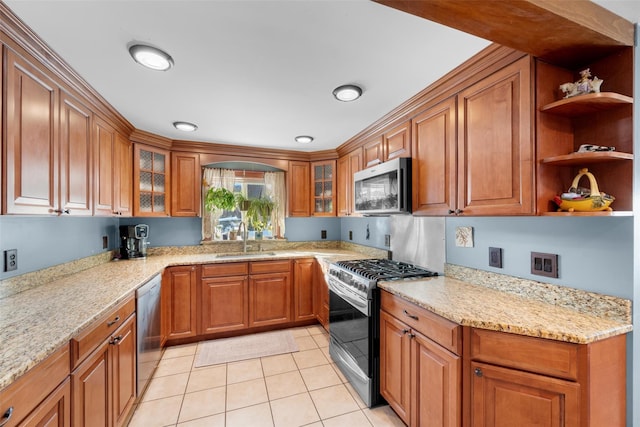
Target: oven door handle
[(346, 296), (350, 363)]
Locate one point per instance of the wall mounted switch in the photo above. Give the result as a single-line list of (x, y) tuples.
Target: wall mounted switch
[(350, 235), (495, 257), (323, 234), (387, 240), (544, 264)]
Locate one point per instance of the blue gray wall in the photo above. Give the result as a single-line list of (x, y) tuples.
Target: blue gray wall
[(46, 241)]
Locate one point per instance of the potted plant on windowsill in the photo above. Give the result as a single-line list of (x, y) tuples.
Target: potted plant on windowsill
[(259, 214)]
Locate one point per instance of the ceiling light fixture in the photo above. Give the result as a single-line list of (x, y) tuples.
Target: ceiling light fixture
[(347, 93), (185, 126), (151, 57), (304, 139)]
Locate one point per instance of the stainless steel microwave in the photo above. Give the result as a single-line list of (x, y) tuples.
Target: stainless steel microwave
[(383, 189)]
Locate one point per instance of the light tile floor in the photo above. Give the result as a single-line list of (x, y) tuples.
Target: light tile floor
[(287, 390)]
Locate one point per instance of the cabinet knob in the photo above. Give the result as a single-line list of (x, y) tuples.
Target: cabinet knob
[(116, 340), (451, 211), (458, 211), (6, 416), (477, 372), (405, 331), (60, 212)]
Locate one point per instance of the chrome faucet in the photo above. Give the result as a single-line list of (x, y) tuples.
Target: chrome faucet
[(244, 235)]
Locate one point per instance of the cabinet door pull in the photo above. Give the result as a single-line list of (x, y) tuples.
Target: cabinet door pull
[(412, 316), (116, 340), (7, 416), (405, 331), (478, 372), (451, 211), (458, 211), (114, 321)]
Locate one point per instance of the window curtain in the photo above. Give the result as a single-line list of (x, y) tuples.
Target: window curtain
[(276, 191), (214, 178)]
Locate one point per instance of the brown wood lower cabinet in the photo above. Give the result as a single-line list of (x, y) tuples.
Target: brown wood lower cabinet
[(419, 378), (104, 385), (303, 289), (180, 314), (41, 397), (269, 299), (321, 299), (504, 396), (519, 380)]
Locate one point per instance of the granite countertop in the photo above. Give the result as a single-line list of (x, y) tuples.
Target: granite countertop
[(482, 307), (36, 322)]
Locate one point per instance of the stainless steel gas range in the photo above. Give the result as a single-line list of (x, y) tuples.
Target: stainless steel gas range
[(354, 321)]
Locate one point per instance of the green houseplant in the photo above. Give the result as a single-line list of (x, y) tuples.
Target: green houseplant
[(259, 214), (219, 198)]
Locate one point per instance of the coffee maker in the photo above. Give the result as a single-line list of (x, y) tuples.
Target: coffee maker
[(133, 241)]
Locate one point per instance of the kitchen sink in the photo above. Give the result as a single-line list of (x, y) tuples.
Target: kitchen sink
[(245, 254)]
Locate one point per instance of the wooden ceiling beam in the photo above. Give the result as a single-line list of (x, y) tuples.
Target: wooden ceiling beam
[(570, 33)]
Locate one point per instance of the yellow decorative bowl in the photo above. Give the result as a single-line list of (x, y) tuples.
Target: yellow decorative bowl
[(594, 203)]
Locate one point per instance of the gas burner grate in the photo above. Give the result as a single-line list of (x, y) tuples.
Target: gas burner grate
[(384, 269)]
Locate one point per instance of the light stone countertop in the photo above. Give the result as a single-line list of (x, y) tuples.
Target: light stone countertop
[(38, 321), (482, 307)]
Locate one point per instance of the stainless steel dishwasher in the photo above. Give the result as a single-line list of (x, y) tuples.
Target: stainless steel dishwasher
[(149, 351)]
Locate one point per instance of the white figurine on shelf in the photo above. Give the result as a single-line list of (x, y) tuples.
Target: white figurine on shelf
[(583, 86)]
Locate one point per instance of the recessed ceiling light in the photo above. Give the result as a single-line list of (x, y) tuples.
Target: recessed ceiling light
[(151, 57), (185, 126), (304, 139), (347, 93)]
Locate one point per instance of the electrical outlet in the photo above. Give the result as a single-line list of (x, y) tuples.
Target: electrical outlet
[(350, 235), (544, 264), (323, 234), (105, 242), (495, 257), (387, 240), (10, 260)]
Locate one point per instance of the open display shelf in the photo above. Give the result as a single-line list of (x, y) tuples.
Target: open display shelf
[(577, 159), (587, 104)]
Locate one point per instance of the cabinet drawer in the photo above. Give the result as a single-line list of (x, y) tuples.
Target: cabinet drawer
[(83, 344), (547, 357), (226, 269), (446, 333), (258, 267), (33, 387)]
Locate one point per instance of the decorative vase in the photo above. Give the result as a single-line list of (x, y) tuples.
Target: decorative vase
[(258, 235)]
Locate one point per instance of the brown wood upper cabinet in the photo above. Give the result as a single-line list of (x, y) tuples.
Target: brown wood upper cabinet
[(373, 152), (151, 181), (32, 142), (347, 166), (298, 188), (112, 170), (323, 188), (395, 142), (186, 184), (487, 128)]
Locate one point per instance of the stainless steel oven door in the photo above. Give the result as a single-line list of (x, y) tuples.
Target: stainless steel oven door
[(350, 344)]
